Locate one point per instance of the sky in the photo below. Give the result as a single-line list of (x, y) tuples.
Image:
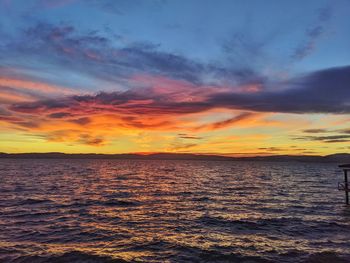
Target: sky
[(189, 76)]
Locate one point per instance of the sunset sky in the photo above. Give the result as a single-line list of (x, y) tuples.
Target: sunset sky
[(221, 77)]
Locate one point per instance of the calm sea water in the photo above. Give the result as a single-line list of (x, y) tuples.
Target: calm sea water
[(171, 211)]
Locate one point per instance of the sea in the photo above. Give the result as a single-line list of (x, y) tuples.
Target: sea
[(89, 210)]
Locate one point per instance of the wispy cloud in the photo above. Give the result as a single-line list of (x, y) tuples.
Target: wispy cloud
[(326, 139), (188, 136), (313, 34), (228, 122), (333, 135), (34, 86), (315, 131)]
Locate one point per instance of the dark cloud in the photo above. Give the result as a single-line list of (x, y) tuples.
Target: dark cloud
[(346, 131), (315, 131), (326, 139), (324, 91), (226, 123), (187, 136), (71, 135), (271, 149), (337, 140), (91, 140), (42, 106), (182, 146), (338, 135), (28, 124), (339, 131), (59, 115), (81, 121)]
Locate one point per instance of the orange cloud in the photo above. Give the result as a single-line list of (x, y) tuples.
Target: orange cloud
[(157, 104)]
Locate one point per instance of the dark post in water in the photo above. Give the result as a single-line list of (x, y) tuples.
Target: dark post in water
[(345, 186)]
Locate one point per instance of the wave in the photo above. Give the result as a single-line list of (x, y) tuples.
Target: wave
[(70, 257), (155, 215), (214, 256), (120, 202), (34, 201), (287, 225), (193, 255), (187, 253), (326, 257)]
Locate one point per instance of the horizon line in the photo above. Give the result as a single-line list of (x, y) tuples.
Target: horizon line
[(231, 155)]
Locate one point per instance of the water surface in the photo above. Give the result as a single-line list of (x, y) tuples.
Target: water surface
[(171, 211)]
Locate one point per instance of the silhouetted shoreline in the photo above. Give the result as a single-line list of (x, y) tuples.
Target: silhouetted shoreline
[(333, 158)]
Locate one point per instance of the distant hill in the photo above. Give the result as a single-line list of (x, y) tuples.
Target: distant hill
[(335, 158)]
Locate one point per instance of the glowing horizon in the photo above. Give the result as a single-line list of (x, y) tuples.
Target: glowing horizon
[(226, 81)]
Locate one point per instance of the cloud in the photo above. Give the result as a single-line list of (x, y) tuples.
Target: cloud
[(271, 149), (244, 50), (34, 86), (16, 87), (81, 121), (10, 95), (73, 136), (162, 102), (315, 131), (313, 35), (324, 91), (145, 101), (181, 146), (190, 137), (337, 135), (59, 115), (340, 131), (326, 139), (90, 140), (293, 149), (158, 88), (95, 54), (228, 122), (101, 56), (346, 131)]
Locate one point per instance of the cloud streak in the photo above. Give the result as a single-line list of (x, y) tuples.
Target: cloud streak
[(313, 35), (34, 86)]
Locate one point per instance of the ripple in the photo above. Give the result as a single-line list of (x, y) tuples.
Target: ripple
[(71, 257), (171, 211), (119, 202)]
